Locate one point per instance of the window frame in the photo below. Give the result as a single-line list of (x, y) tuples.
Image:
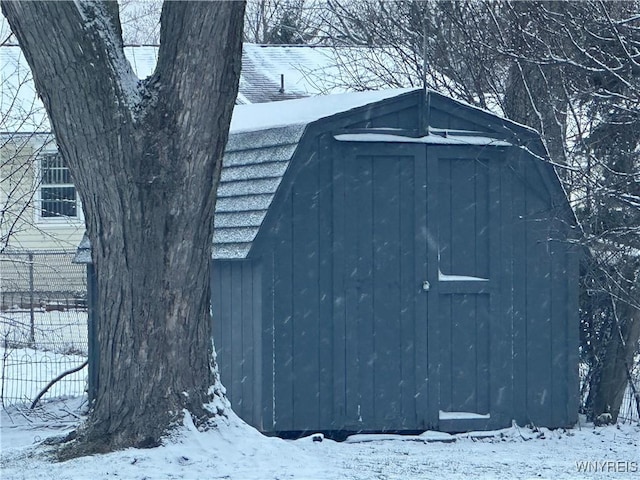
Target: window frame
[(38, 197)]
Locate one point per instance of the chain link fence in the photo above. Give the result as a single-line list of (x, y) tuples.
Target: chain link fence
[(43, 325), (629, 409)]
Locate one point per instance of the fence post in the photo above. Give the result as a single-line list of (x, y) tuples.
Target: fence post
[(92, 333), (32, 332)]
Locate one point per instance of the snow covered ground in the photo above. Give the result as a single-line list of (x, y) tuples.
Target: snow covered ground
[(236, 451)]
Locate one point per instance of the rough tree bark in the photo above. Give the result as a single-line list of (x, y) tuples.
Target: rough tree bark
[(531, 99), (146, 158), (606, 394)]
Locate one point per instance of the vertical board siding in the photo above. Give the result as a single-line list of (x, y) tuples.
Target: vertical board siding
[(462, 318), (425, 418), (538, 303), (385, 356), (559, 380), (405, 118), (360, 276), (283, 321), (500, 367), (573, 341), (236, 305), (259, 333), (436, 336), (237, 355), (519, 289), (444, 215), (464, 215), (355, 223), (305, 278), (463, 347), (248, 335), (482, 361), (381, 287), (267, 341), (446, 349), (463, 234), (410, 294), (484, 226), (338, 293), (327, 350), (358, 344)]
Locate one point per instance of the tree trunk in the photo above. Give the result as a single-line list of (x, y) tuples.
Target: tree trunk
[(610, 376), (534, 97), (146, 158)]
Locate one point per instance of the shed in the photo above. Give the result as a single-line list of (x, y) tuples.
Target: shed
[(390, 262)]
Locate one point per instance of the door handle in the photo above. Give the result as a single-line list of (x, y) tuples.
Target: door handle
[(426, 286)]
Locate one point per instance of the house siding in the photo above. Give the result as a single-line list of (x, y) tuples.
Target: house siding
[(18, 173)]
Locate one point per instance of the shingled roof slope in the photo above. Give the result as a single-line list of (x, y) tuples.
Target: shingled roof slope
[(253, 166)]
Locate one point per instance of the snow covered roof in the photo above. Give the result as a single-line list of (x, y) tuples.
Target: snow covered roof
[(305, 71), (304, 110), (473, 138)]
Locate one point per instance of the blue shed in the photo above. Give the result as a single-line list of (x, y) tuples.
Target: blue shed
[(387, 263), (390, 262)]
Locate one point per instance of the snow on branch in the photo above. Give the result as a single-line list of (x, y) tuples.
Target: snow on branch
[(103, 19)]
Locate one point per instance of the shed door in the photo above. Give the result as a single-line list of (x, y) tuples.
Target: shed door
[(460, 277), (417, 281), (385, 222)]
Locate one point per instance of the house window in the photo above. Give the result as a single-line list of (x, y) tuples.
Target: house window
[(57, 192)]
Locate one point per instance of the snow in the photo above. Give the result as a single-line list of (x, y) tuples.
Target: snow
[(461, 415), (443, 277), (306, 70), (430, 139), (263, 116), (236, 451)]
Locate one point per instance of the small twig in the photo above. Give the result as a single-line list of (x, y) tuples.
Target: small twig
[(58, 378), (66, 410)]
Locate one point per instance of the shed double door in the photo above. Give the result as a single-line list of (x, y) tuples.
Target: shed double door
[(418, 284)]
